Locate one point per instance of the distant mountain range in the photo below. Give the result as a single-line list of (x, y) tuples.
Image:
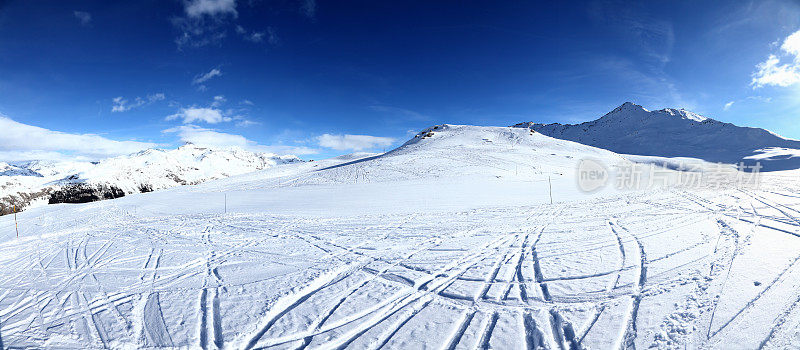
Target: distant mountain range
[(632, 129), (22, 184), (628, 129)]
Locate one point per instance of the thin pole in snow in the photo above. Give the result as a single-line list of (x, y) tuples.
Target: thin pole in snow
[(550, 184), (226, 203), (16, 226)]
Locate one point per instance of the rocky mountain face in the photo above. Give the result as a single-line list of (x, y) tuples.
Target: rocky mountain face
[(632, 129), (40, 182)]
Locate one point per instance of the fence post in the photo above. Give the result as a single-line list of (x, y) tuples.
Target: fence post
[(16, 226)]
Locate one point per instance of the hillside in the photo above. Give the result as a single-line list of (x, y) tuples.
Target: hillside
[(449, 241), (444, 153), (153, 169), (632, 129)]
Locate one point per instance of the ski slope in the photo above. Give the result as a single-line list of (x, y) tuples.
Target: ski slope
[(448, 242)]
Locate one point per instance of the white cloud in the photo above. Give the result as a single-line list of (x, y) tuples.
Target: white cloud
[(200, 114), (208, 22), (246, 122), (353, 142), (651, 34), (728, 106), (20, 141), (309, 8), (255, 37), (213, 114), (84, 17), (772, 72), (199, 32), (120, 104), (205, 23), (17, 156), (200, 8), (218, 101), (273, 36), (202, 78), (792, 45), (270, 35), (212, 138), (760, 98), (209, 137)]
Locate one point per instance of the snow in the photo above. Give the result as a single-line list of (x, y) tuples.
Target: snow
[(683, 114), (788, 156), (151, 169), (449, 241), (632, 129)]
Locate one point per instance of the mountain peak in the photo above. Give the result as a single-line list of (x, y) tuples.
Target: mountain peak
[(630, 110), (624, 112), (669, 132), (190, 145), (628, 106), (629, 103), (683, 114)]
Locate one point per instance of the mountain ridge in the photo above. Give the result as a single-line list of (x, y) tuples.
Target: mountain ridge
[(23, 183), (669, 132), (445, 152)]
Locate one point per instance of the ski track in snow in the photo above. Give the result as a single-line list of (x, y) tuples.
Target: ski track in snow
[(646, 269)]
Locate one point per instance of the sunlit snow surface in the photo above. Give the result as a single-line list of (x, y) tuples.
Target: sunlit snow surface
[(315, 259)]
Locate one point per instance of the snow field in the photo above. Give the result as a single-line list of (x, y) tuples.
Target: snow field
[(357, 256)]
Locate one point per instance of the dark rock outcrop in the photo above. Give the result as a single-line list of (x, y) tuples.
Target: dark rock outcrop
[(82, 193)]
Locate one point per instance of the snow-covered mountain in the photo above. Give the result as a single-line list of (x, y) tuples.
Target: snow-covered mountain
[(442, 153), (145, 171), (456, 239), (632, 129), (14, 170)]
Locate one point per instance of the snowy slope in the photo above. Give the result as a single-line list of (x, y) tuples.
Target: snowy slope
[(144, 171), (631, 129), (15, 170), (448, 242), (456, 167), (445, 152)]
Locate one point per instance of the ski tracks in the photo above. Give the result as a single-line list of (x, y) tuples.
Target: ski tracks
[(289, 302), (203, 308), (628, 336)]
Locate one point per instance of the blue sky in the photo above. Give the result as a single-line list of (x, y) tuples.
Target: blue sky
[(89, 79)]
